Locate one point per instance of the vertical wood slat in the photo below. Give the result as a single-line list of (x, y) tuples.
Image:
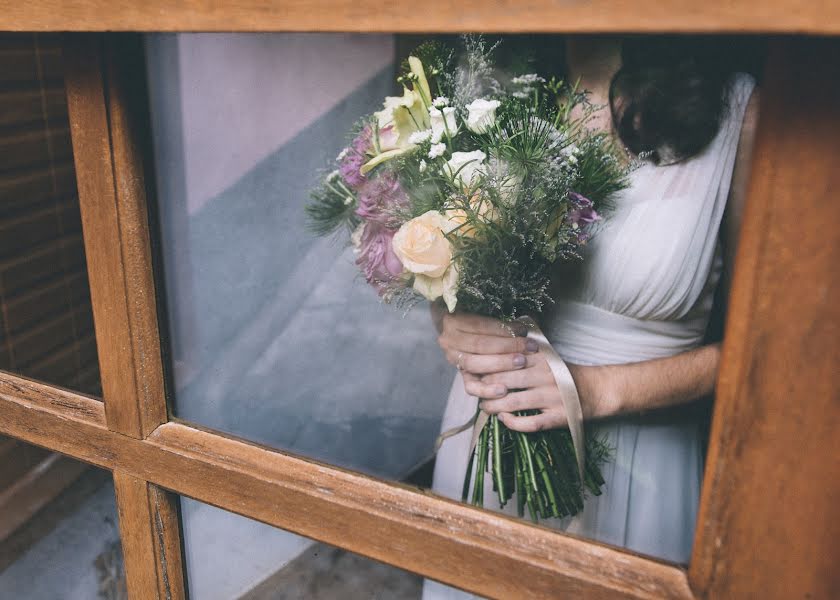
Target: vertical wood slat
[(106, 144), (103, 94), (150, 543), (768, 523)]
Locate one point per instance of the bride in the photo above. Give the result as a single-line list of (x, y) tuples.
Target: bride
[(630, 321)]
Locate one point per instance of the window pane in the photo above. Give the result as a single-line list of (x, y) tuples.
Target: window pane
[(231, 557), (275, 337), (70, 548), (46, 321)]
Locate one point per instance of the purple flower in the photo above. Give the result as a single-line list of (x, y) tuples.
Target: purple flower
[(380, 200), (581, 215), (353, 157), (375, 255)]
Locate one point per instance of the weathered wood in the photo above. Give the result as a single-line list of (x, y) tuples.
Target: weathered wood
[(70, 408), (152, 556), (103, 96), (398, 525), (112, 196), (769, 523), (594, 16)]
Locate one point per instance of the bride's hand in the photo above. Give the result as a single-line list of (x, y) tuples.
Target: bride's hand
[(481, 345), (536, 390)]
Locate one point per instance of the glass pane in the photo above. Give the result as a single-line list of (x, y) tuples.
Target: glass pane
[(274, 335), (46, 322), (231, 557), (70, 548)]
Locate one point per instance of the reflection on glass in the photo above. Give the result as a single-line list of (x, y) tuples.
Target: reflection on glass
[(273, 336), (46, 322), (231, 557), (70, 549)]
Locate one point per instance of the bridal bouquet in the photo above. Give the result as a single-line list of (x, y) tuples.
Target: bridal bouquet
[(471, 189)]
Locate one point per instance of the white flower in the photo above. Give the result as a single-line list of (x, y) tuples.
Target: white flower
[(570, 151), (423, 166), (482, 115), (465, 166), (440, 102), (385, 117), (529, 79), (442, 122), (342, 154), (520, 95), (418, 137), (333, 175), (437, 150)]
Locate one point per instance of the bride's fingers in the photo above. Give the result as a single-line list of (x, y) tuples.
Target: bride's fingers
[(482, 364), (474, 386), (540, 422), (515, 401), (459, 341), (470, 323), (535, 375)]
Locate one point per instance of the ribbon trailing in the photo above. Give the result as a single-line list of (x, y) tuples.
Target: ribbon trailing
[(568, 392)]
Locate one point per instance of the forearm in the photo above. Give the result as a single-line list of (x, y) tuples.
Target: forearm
[(635, 387)]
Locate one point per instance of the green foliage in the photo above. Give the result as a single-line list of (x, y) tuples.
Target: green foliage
[(332, 206)]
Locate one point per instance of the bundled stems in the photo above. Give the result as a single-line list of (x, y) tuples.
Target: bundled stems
[(539, 468)]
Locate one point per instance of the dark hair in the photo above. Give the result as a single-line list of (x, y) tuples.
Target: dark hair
[(670, 95)]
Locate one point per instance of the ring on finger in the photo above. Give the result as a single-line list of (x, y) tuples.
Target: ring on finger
[(458, 361)]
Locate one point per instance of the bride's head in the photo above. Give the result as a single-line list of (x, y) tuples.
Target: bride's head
[(670, 94), (667, 93)]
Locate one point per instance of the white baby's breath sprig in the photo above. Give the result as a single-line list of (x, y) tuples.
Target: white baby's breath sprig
[(527, 79), (437, 150), (440, 102), (419, 137)]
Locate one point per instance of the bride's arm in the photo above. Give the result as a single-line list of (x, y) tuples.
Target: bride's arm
[(604, 390), (616, 389)]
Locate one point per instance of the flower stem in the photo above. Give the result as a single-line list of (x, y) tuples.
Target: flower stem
[(498, 473)]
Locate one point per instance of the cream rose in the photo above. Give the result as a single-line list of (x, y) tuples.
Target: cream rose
[(459, 219), (421, 246), (433, 288), (482, 115)]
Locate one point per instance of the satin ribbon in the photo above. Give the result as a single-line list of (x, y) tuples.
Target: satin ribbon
[(568, 393)]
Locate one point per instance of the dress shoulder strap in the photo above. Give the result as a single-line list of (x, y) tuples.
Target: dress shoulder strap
[(741, 88)]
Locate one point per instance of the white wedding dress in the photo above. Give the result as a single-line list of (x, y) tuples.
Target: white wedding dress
[(643, 291)]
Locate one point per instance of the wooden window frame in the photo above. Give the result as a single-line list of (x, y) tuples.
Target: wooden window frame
[(760, 411)]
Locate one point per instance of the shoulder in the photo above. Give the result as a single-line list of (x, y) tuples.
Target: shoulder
[(743, 95)]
